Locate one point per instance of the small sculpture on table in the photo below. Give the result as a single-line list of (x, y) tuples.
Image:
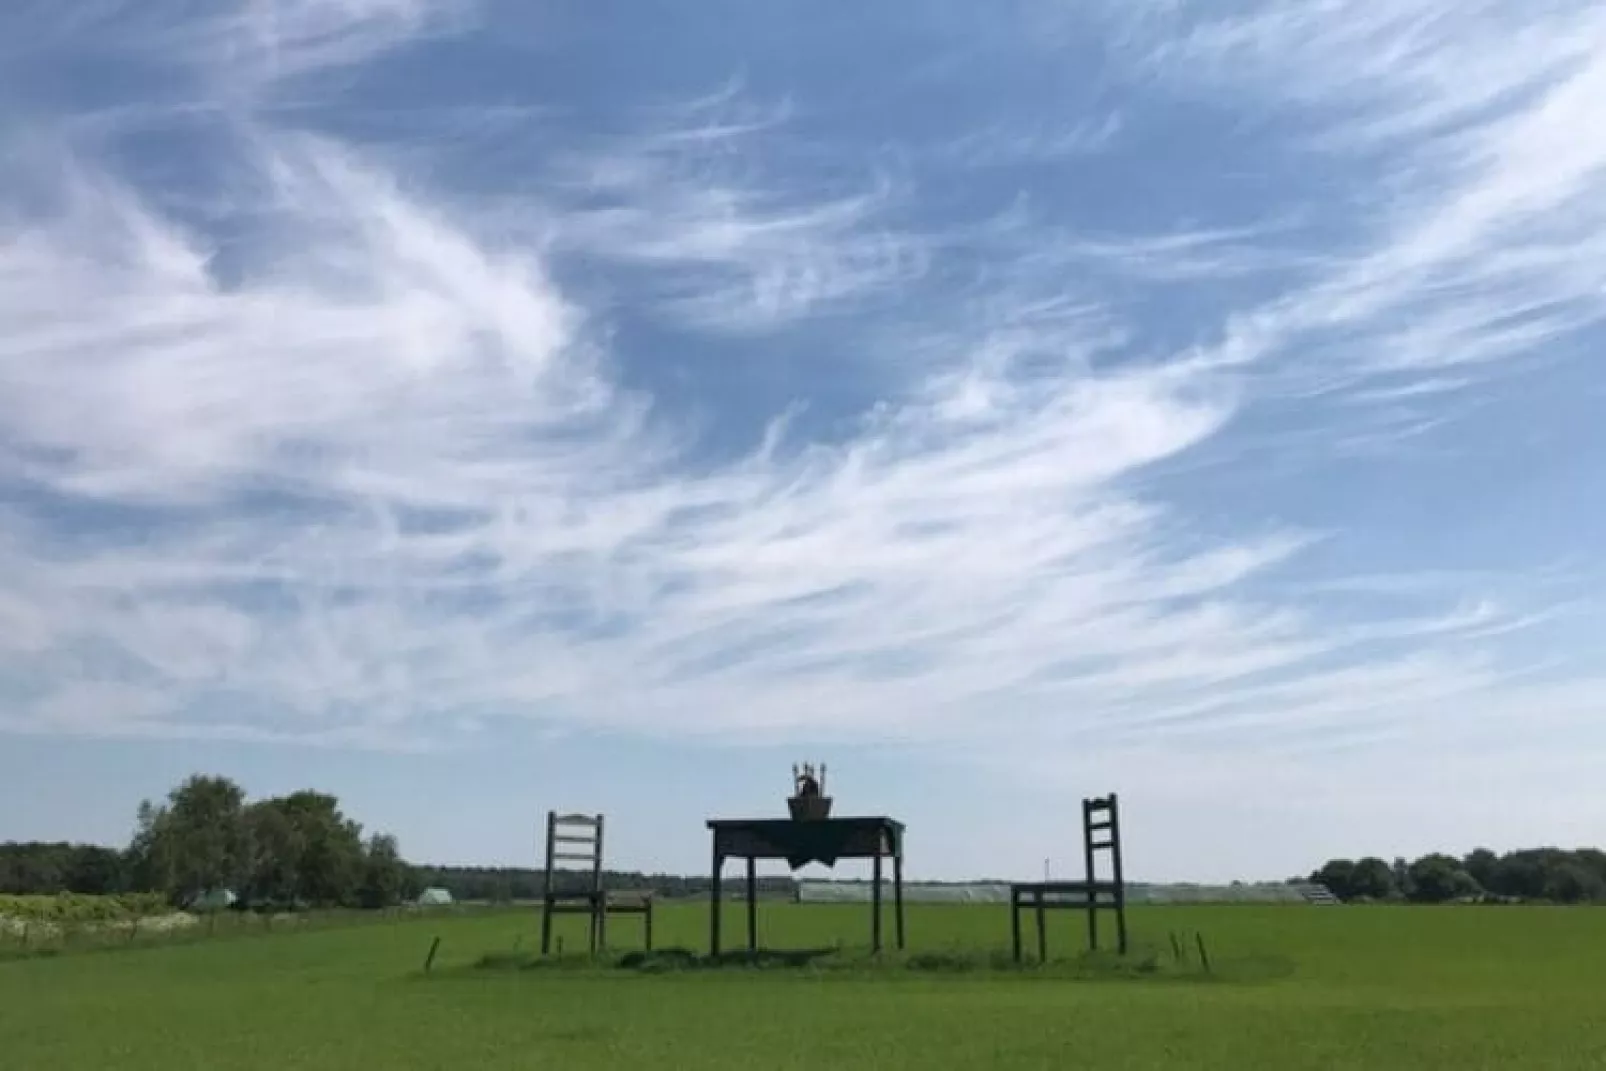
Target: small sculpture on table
[(808, 799)]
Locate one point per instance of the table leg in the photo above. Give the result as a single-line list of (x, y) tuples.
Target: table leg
[(1092, 917), (897, 895), (713, 906), (752, 904), (1014, 922), (875, 905)]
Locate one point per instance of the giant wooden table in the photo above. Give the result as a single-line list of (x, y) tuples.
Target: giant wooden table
[(799, 842)]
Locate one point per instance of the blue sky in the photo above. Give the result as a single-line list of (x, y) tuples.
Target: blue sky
[(472, 407)]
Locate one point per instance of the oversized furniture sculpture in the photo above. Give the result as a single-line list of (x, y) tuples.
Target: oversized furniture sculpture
[(809, 836), (1101, 832), (577, 838)]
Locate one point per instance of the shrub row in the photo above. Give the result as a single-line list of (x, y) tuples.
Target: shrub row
[(79, 907)]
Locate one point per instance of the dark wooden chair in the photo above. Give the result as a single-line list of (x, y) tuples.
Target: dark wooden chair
[(578, 889)]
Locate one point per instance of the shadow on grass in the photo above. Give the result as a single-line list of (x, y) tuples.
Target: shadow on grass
[(1138, 965)]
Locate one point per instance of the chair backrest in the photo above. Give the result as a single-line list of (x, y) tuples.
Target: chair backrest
[(573, 846), (1101, 832)]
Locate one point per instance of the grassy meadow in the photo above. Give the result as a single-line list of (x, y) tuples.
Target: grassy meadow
[(1292, 988)]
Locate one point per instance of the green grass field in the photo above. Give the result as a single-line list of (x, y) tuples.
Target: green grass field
[(1318, 988)]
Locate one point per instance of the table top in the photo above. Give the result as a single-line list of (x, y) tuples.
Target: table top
[(809, 840), (874, 820)]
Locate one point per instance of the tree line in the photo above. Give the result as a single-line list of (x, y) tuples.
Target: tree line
[(1542, 875), (504, 884), (281, 853), (301, 851), (37, 868), (44, 869)]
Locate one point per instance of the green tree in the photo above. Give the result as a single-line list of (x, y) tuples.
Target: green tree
[(1437, 878), (1573, 882), (35, 869), (331, 850), (194, 842), (1339, 877), (94, 870), (386, 879), (1592, 860), (1481, 864), (1372, 879), (1400, 876), (1523, 874), (275, 851)]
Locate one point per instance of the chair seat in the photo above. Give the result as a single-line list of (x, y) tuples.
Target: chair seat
[(614, 900), (630, 900), (573, 896)]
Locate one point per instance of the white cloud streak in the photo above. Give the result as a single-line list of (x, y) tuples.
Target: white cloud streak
[(384, 478), (1487, 223)]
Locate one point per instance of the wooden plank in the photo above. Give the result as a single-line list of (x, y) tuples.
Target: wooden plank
[(575, 857), (579, 820), (546, 891), (628, 899), (1088, 807), (599, 921), (1051, 886), (1119, 876), (1092, 920), (866, 836), (560, 839)]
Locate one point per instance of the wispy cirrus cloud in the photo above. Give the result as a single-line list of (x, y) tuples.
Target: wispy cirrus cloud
[(357, 456), (1489, 204), (1045, 143), (249, 45), (715, 237)]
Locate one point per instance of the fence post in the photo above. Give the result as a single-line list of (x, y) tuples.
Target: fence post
[(429, 960)]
